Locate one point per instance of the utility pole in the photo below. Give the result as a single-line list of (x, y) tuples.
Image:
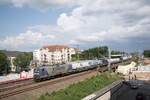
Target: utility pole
[(139, 57), (98, 53), (78, 52), (109, 57), (89, 54)]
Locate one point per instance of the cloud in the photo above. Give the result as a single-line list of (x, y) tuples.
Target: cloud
[(42, 5), (47, 29), (69, 23), (109, 20), (120, 21), (24, 41)]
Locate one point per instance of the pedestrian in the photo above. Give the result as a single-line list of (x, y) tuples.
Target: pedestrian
[(135, 76)]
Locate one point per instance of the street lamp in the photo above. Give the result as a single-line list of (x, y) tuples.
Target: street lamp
[(78, 53), (109, 57)]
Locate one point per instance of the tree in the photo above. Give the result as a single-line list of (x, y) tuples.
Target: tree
[(117, 52), (4, 63), (23, 60), (92, 53), (146, 53), (97, 52)]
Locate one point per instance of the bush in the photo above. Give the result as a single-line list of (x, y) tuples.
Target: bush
[(81, 89)]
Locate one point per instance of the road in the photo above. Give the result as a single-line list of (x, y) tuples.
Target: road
[(126, 93)]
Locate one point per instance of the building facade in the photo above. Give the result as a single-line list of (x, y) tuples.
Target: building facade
[(53, 54), (36, 55), (11, 55), (12, 66)]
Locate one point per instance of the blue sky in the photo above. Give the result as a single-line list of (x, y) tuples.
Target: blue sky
[(27, 25), (15, 20)]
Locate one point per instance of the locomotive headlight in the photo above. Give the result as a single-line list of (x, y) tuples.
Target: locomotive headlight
[(36, 73)]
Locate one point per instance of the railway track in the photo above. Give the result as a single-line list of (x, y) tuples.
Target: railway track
[(11, 91), (14, 82), (16, 85), (41, 84)]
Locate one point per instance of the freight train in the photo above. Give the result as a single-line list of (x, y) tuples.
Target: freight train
[(47, 72)]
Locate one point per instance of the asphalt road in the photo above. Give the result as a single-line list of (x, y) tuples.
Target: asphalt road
[(127, 93)]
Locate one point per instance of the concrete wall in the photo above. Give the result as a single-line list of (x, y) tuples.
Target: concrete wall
[(107, 93)]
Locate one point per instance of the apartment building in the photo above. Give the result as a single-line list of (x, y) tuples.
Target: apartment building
[(53, 54)]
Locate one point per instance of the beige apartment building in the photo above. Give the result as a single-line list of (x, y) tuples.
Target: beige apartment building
[(53, 54)]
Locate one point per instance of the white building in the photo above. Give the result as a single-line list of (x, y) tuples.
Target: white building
[(11, 55), (53, 54), (36, 55), (12, 66)]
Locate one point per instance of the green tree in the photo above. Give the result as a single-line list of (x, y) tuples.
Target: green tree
[(146, 53), (117, 52), (97, 52), (92, 53), (4, 63), (23, 60)]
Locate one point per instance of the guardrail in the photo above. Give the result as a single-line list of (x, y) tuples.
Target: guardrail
[(105, 93)]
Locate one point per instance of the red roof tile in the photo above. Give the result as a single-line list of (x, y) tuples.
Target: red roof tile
[(53, 48)]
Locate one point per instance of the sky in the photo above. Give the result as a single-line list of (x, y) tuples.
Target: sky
[(26, 25)]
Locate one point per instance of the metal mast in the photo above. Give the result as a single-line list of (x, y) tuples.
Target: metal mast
[(109, 57)]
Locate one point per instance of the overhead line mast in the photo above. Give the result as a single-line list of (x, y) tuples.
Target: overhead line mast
[(109, 57)]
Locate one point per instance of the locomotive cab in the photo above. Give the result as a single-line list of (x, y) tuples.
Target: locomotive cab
[(36, 75), (40, 73)]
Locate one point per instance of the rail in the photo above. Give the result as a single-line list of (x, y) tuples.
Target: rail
[(50, 82), (41, 84)]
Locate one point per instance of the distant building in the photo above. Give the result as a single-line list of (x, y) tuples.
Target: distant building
[(53, 54), (37, 55), (11, 56), (12, 66)]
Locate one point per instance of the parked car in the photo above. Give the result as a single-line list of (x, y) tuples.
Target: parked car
[(132, 83)]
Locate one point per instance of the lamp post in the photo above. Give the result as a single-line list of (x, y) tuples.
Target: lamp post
[(109, 57), (78, 53), (98, 53)]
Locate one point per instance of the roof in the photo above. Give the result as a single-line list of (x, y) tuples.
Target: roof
[(53, 48)]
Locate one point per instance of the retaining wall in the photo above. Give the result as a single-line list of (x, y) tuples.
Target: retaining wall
[(107, 93)]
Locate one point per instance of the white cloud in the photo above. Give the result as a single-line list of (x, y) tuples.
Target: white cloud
[(24, 40), (90, 21), (42, 5), (69, 23), (115, 20), (47, 29)]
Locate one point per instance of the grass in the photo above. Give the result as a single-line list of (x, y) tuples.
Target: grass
[(81, 89)]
